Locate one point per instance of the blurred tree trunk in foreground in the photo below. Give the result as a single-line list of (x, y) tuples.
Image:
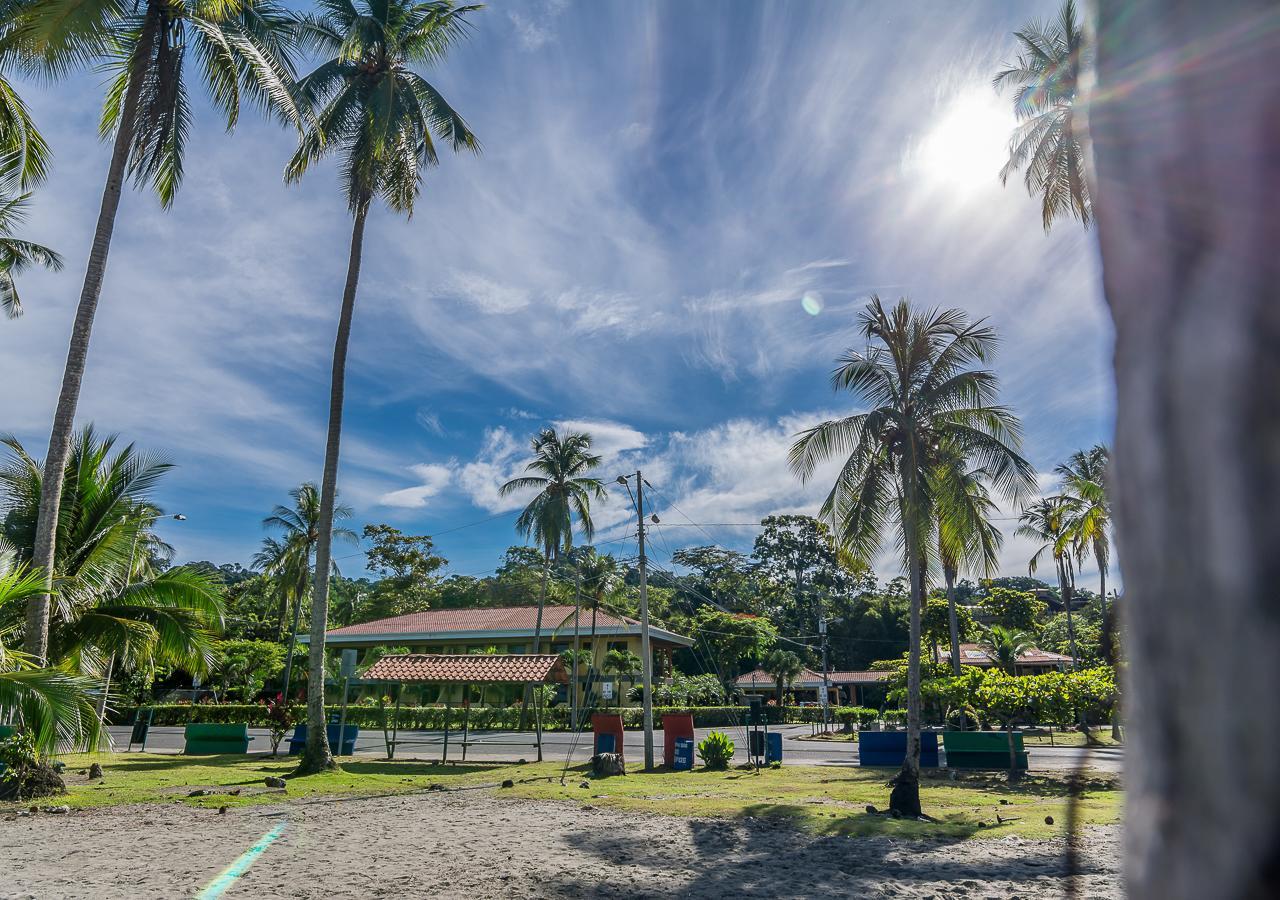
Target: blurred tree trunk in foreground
[(1186, 131)]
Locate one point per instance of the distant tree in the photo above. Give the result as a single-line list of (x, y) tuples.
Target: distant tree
[(243, 667), (1049, 520), (1084, 484), (1016, 610), (935, 625), (1006, 647), (1051, 144), (560, 468), (407, 564), (717, 575), (729, 638), (784, 666)]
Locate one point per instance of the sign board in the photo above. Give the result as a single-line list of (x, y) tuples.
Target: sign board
[(140, 728), (606, 690), (348, 668)]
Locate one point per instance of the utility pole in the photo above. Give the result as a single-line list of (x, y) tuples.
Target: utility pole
[(646, 653), (826, 684)]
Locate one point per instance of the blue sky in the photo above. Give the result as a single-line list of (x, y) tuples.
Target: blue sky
[(661, 185)]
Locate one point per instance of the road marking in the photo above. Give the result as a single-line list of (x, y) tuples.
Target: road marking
[(228, 876)]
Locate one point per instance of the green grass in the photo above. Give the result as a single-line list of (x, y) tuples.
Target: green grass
[(822, 800), (839, 736), (1100, 738)]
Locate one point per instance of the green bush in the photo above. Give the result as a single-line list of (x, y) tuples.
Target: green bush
[(716, 750), (854, 716)]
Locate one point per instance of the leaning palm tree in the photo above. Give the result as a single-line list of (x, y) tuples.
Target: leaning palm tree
[(966, 536), (1051, 143), (18, 255), (565, 490), (929, 406), (1048, 521), (239, 47), (1083, 482), (370, 107), (288, 559), (1006, 646)]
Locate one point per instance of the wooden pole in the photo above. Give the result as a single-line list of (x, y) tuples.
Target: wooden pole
[(448, 711), (395, 722), (466, 718)]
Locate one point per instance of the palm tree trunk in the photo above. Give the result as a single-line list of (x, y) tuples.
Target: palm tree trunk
[(905, 797), (1064, 588), (301, 593), (318, 756), (953, 621), (36, 641), (537, 636)]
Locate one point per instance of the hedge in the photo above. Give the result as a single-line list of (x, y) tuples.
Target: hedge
[(432, 718)]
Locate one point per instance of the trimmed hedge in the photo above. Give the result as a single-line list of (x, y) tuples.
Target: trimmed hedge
[(432, 718)]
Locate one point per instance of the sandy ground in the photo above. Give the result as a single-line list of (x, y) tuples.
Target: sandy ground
[(475, 845)]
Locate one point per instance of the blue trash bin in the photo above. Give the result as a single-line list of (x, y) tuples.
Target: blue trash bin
[(682, 759), (606, 743), (773, 752)]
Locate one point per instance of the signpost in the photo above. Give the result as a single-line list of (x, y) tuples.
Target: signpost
[(140, 728)]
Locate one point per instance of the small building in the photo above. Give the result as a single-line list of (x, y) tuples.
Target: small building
[(506, 630), (852, 688), (1032, 662)]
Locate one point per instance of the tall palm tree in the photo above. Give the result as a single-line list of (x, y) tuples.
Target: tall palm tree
[(288, 559), (1051, 143), (1048, 521), (929, 407), (565, 490), (18, 255), (600, 576), (117, 603), (1084, 483), (966, 536), (240, 48), (1006, 646), (369, 106)]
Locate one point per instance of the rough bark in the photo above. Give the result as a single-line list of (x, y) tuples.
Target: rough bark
[(36, 637), (1186, 125), (317, 756), (905, 797)]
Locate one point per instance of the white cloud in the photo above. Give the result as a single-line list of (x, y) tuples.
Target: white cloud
[(434, 479), (501, 459), (608, 439)]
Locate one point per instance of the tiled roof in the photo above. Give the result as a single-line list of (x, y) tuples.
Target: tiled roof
[(476, 668), (503, 623), (809, 678), (977, 655), (507, 618)]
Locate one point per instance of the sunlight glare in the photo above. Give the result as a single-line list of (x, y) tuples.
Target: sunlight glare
[(967, 144)]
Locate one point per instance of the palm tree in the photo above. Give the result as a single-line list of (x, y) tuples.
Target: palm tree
[(622, 663), (369, 106), (1051, 143), (1083, 482), (1048, 520), (117, 603), (929, 407), (53, 704), (966, 537), (288, 559), (1006, 646), (16, 254), (565, 490), (600, 577), (24, 154), (241, 49), (784, 666)]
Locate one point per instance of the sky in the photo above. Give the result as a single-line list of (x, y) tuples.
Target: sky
[(677, 214)]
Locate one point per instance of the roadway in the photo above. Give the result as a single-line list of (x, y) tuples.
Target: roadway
[(561, 745)]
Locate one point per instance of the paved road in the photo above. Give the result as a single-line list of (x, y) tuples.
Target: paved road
[(562, 745)]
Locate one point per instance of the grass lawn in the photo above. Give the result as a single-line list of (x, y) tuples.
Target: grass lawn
[(824, 800), (851, 737), (1100, 738)]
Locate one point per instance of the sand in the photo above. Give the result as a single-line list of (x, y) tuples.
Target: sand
[(478, 845)]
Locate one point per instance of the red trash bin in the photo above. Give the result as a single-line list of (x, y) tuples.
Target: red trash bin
[(674, 725), (603, 723)]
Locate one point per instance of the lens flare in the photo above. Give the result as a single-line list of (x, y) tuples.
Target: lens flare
[(812, 302), (228, 876)]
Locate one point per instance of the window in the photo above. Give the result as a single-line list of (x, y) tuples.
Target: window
[(619, 645)]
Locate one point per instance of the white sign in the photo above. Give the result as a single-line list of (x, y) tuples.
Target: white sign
[(606, 690)]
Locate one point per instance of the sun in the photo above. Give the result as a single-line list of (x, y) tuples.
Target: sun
[(966, 145)]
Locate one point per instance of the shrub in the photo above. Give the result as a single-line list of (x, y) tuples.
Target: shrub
[(716, 750), (855, 716), (26, 776)]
